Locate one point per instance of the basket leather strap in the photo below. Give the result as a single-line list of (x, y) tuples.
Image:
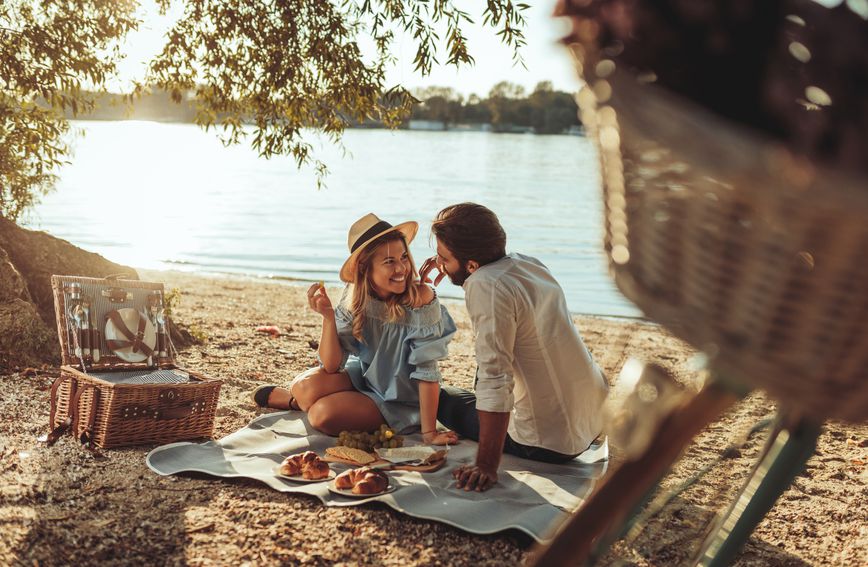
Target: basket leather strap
[(52, 394), (73, 407), (136, 341), (55, 433), (86, 436)]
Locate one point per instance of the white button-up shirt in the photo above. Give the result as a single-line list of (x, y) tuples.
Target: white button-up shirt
[(531, 360)]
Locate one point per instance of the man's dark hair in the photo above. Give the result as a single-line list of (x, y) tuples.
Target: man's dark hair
[(470, 232)]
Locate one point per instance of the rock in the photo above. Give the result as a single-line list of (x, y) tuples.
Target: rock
[(37, 255), (25, 339), (12, 285), (28, 259)]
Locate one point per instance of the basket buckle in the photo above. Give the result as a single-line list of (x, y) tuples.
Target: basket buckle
[(169, 394), (117, 295)]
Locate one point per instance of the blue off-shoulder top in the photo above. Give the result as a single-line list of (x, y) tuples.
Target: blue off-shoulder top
[(394, 355)]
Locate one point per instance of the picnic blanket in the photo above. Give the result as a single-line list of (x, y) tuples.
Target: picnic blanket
[(529, 496)]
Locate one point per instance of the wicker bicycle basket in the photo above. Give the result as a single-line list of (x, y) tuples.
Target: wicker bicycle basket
[(748, 253), (88, 399)]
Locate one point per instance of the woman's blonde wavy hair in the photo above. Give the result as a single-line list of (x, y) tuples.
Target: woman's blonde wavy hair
[(362, 289)]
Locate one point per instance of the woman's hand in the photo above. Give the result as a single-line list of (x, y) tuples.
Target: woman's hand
[(440, 438), (319, 301)]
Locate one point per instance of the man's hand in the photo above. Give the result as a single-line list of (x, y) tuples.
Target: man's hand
[(474, 477), (428, 265), (492, 434)]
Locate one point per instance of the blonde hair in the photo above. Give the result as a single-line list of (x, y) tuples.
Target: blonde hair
[(362, 289)]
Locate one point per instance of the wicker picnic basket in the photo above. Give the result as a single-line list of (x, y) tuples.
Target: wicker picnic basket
[(752, 255), (104, 395)]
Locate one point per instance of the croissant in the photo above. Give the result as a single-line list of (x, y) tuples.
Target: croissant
[(364, 480), (344, 481), (290, 467), (294, 465), (315, 469)]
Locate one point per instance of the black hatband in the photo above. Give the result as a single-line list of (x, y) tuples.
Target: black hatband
[(381, 226)]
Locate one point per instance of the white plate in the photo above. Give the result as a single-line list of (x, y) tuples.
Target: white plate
[(299, 478), (131, 317), (350, 494)]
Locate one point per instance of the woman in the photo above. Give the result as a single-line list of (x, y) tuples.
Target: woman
[(379, 348)]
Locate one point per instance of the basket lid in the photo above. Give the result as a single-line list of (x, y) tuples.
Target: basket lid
[(111, 322)]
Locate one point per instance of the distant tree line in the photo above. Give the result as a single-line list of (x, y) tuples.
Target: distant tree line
[(507, 108)]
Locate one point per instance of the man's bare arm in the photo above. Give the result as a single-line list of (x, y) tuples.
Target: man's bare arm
[(492, 435)]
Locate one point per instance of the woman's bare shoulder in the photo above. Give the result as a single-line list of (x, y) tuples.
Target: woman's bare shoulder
[(424, 295)]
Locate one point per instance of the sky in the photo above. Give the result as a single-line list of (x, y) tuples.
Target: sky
[(544, 58)]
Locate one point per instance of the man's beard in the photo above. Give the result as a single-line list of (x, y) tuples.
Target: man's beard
[(460, 276)]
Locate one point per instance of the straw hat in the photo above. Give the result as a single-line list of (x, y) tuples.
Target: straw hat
[(366, 230)]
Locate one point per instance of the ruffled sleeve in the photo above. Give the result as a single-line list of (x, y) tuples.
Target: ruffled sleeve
[(349, 343), (429, 340)]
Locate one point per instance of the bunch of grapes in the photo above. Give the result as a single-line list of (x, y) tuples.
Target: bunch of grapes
[(382, 438)]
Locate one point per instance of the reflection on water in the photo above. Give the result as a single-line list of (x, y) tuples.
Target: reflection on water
[(171, 196)]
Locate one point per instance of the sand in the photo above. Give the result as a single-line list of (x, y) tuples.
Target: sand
[(61, 505)]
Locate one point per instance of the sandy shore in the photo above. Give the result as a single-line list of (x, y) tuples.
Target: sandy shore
[(60, 505)]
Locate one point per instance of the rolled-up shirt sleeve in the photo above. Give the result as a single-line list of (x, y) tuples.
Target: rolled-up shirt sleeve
[(492, 310)]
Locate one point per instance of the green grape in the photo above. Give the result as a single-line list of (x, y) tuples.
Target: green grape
[(383, 437)]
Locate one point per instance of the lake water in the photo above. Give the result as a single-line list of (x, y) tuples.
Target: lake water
[(171, 196)]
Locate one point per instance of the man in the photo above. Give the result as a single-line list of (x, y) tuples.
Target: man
[(539, 394)]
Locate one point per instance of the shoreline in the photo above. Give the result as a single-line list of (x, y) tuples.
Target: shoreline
[(300, 282), (462, 128), (62, 505)]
